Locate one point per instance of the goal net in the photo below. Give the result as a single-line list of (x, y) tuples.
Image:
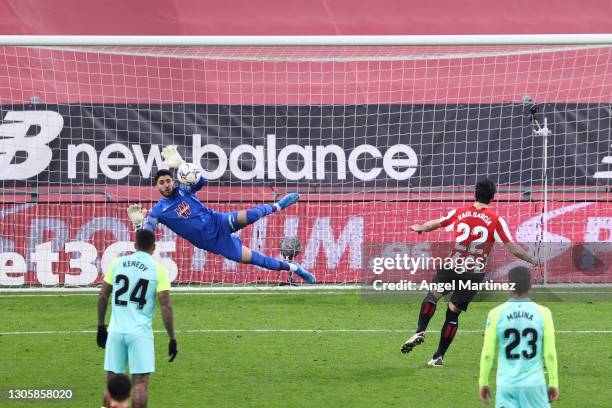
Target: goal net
[(374, 138)]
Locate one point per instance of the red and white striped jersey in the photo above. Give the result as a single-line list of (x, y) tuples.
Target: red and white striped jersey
[(475, 231)]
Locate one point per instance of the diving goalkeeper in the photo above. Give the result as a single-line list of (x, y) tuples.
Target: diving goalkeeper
[(180, 210)]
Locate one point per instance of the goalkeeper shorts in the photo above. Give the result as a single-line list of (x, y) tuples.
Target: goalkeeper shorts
[(522, 397), (226, 243), (132, 350)]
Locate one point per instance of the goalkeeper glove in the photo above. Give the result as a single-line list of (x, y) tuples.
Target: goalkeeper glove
[(137, 215), (102, 336), (172, 350), (171, 156)]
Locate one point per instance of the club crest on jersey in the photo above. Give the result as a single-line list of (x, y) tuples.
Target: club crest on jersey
[(183, 210)]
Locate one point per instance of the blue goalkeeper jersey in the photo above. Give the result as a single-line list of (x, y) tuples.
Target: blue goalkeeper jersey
[(184, 214)]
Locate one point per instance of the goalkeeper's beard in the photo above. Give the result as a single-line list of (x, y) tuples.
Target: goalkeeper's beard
[(168, 192)]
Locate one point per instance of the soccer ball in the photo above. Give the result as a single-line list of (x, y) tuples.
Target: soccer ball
[(290, 247), (188, 174)]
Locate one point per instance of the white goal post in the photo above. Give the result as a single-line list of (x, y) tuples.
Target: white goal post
[(375, 132)]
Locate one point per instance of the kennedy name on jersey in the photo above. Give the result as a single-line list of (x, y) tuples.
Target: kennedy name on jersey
[(475, 214), (135, 264)]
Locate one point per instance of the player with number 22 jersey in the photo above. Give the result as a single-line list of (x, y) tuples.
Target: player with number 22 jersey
[(475, 230)]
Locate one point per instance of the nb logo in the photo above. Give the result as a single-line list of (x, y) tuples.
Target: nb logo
[(13, 139)]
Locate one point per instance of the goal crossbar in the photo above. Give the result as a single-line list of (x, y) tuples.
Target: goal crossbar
[(307, 40)]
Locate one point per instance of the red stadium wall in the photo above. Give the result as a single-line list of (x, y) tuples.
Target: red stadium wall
[(295, 17), (339, 241)]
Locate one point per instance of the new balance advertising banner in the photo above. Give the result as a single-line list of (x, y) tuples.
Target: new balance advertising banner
[(288, 147), (72, 244), (364, 145)]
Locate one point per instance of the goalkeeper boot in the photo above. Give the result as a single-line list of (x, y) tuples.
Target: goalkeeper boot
[(436, 362), (287, 201), (412, 342), (304, 274)]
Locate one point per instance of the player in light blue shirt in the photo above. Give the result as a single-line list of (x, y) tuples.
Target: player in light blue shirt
[(133, 283), (180, 210), (525, 334)]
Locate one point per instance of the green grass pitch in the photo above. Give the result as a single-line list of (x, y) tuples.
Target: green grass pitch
[(296, 349)]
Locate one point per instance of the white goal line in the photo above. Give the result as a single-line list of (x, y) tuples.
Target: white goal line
[(249, 289), (271, 330), (255, 290)]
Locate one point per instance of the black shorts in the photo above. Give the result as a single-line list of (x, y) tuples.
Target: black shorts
[(460, 297)]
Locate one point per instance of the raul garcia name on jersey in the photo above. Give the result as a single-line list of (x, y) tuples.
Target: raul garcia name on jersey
[(475, 214), (466, 285)]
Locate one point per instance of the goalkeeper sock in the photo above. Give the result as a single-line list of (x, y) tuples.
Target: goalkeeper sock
[(427, 311), (258, 212), (268, 262), (448, 332)]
